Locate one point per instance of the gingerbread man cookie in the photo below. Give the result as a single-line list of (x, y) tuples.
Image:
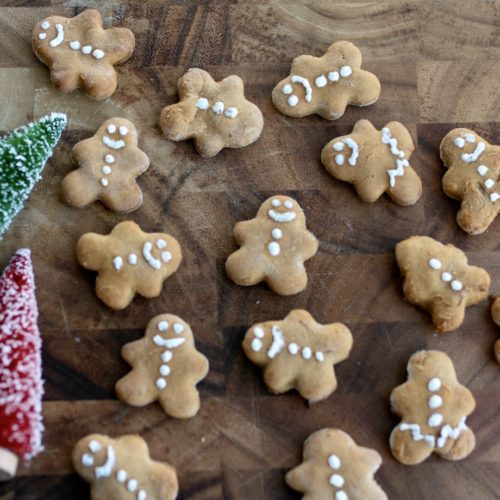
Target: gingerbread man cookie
[(215, 114), (165, 366), (80, 53), (438, 279), (473, 178), (326, 85), (335, 467), (109, 163), (128, 261), (298, 353), (122, 469), (274, 247), (495, 314), (433, 408), (375, 162)]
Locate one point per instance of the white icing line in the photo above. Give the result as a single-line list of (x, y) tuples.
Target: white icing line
[(148, 257), (353, 145), (60, 36), (278, 342), (305, 83), (88, 460), (471, 157), (112, 143), (94, 446), (106, 469), (123, 131), (417, 435), (401, 162), (42, 36), (398, 171), (168, 343), (45, 25), (281, 217)]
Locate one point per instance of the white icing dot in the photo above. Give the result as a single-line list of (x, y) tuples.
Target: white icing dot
[(256, 345), (435, 420), (218, 108), (292, 100), (104, 182), (435, 263), (319, 356), (277, 233), (287, 89), (161, 243), (178, 328), (339, 159), (45, 25), (341, 495), (42, 36), (87, 49), (338, 146), (293, 348), (106, 170), (306, 353), (94, 446), (123, 130), (435, 401), (132, 485), (333, 76), (446, 277), (121, 476), (202, 103), (345, 71), (132, 259), (231, 112), (494, 197), (470, 138), (141, 495), (320, 81), (166, 256), (258, 332), (110, 128), (288, 204), (162, 326), (434, 384), (166, 356), (334, 462), (87, 460), (161, 383), (109, 158), (274, 248), (118, 263), (456, 285), (482, 170), (75, 44), (489, 183), (459, 142), (276, 203), (98, 53), (337, 480), (164, 370)]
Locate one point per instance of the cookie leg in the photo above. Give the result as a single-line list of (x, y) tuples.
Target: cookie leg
[(317, 385), (99, 84), (475, 214), (181, 401), (134, 389), (209, 146), (459, 448), (77, 191), (124, 200), (447, 317), (243, 269), (114, 294), (65, 80), (406, 450), (286, 281)]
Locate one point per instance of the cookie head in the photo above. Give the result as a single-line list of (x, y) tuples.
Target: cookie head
[(437, 363), (94, 457), (282, 210)]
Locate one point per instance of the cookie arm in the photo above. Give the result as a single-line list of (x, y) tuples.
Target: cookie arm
[(120, 44)]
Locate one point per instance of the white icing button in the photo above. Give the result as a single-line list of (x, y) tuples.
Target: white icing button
[(106, 170), (118, 263), (121, 476), (231, 112), (434, 384), (104, 182), (258, 332), (339, 159), (306, 353), (341, 495), (141, 495), (109, 158), (256, 345), (293, 348), (334, 462), (459, 142), (276, 203), (218, 108), (435, 263), (163, 326), (277, 233), (164, 370), (202, 103), (456, 285), (42, 36), (166, 256), (123, 130), (494, 197), (45, 25), (274, 248), (337, 480), (111, 128), (293, 100), (161, 243), (288, 204), (161, 383), (287, 89), (87, 49), (345, 71), (320, 81), (435, 401), (338, 146), (319, 356), (132, 485), (166, 356), (435, 420), (178, 328), (333, 76), (489, 183), (87, 460), (98, 53), (482, 170), (75, 44), (446, 277), (132, 259)]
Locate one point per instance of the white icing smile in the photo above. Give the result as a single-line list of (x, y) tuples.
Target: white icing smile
[(281, 217), (339, 146), (278, 342), (111, 143), (106, 469), (55, 42), (401, 161)]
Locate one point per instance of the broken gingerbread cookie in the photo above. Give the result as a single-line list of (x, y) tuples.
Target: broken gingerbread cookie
[(121, 468), (495, 314), (166, 366), (438, 278), (215, 115), (80, 53), (298, 353), (375, 162), (274, 246), (326, 85), (109, 163), (433, 407), (473, 178), (128, 261), (334, 466)]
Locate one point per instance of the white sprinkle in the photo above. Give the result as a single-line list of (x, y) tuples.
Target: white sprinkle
[(166, 356), (111, 128), (87, 460), (293, 348), (166, 256), (45, 25), (456, 285), (482, 170), (161, 383), (319, 356), (435, 401), (320, 81), (231, 112), (435, 263), (277, 233), (274, 248), (123, 130), (333, 76), (162, 326), (306, 353), (258, 332), (345, 71), (178, 328), (104, 182), (338, 146), (446, 277), (334, 462), (459, 142), (434, 384), (435, 420), (164, 370), (489, 183), (106, 170), (98, 54), (132, 485), (276, 203), (132, 259), (121, 476), (339, 159), (42, 36), (202, 103), (161, 243), (118, 263), (75, 45), (218, 108), (288, 204), (287, 89), (336, 480), (256, 345), (87, 49), (293, 100)]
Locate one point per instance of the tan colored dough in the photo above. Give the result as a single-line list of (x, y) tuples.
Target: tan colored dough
[(298, 353), (427, 287), (475, 183), (122, 469), (162, 372), (117, 287), (105, 173), (70, 68), (335, 467), (359, 88), (412, 402), (378, 164), (252, 263), (211, 130), (495, 314)]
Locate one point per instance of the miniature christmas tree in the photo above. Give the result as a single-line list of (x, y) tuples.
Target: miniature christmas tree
[(21, 385), (23, 154)]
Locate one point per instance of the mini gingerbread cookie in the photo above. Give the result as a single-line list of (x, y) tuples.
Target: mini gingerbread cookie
[(495, 314), (128, 261), (165, 366), (298, 353), (215, 114), (326, 85), (438, 279), (472, 177), (334, 466), (121, 468), (375, 162), (109, 163), (433, 408), (274, 247), (80, 53)]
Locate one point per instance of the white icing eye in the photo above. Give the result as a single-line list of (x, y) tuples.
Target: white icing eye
[(345, 71), (162, 326), (110, 128), (45, 25), (75, 45), (42, 36), (161, 243), (459, 142), (489, 183), (166, 256), (123, 130), (98, 54), (446, 277), (334, 462), (276, 203), (338, 146), (178, 328), (288, 204), (435, 263), (106, 170), (109, 158), (339, 159), (94, 446), (434, 384), (287, 89), (292, 100), (470, 138), (256, 345), (258, 332), (320, 81), (87, 460), (333, 76), (456, 285), (482, 170), (87, 49)]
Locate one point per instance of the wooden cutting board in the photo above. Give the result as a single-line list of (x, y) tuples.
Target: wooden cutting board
[(438, 62)]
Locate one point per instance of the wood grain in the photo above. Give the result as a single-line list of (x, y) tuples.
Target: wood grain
[(438, 62)]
